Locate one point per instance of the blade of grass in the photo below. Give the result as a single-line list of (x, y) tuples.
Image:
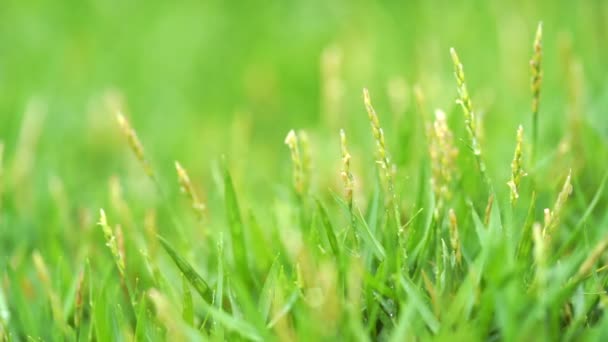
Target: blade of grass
[(239, 245), (187, 305), (329, 230), (265, 301), (199, 284), (573, 237), (219, 287), (369, 237), (418, 301), (289, 303)]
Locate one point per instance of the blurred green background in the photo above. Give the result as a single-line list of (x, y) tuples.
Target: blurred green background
[(201, 79)]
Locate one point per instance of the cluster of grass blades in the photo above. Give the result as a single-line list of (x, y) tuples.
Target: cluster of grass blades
[(484, 261)]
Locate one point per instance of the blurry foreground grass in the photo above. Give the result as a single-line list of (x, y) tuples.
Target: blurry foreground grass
[(465, 201)]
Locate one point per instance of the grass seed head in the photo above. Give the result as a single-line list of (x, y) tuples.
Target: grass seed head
[(377, 132), (552, 218), (464, 100), (535, 67), (535, 83), (539, 255), (188, 189), (454, 237), (387, 168), (134, 142), (592, 259), (517, 171), (346, 175), (111, 242), (291, 140), (443, 155), (470, 120)]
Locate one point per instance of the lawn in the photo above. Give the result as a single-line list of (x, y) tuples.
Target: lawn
[(321, 170)]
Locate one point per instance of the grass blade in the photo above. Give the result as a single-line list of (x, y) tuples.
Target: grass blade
[(187, 305), (265, 301), (418, 301), (329, 230), (239, 245), (199, 284)]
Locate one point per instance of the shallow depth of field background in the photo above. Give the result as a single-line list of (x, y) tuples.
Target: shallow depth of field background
[(202, 79), (194, 73)]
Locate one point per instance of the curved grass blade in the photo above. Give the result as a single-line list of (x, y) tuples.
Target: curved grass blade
[(293, 298), (369, 237), (233, 323), (329, 230), (239, 245), (142, 328), (199, 284), (574, 236), (268, 289), (417, 300), (366, 233)]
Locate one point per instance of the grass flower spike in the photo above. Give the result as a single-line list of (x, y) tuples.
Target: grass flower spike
[(383, 159), (517, 171), (111, 242), (464, 100), (188, 189), (291, 140), (454, 237), (443, 155), (537, 77), (552, 217), (346, 175), (134, 142)]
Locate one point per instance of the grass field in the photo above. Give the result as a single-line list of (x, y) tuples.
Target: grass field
[(348, 170)]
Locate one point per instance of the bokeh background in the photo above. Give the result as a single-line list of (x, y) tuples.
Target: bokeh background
[(202, 79)]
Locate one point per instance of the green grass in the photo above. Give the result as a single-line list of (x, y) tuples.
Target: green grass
[(398, 230)]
